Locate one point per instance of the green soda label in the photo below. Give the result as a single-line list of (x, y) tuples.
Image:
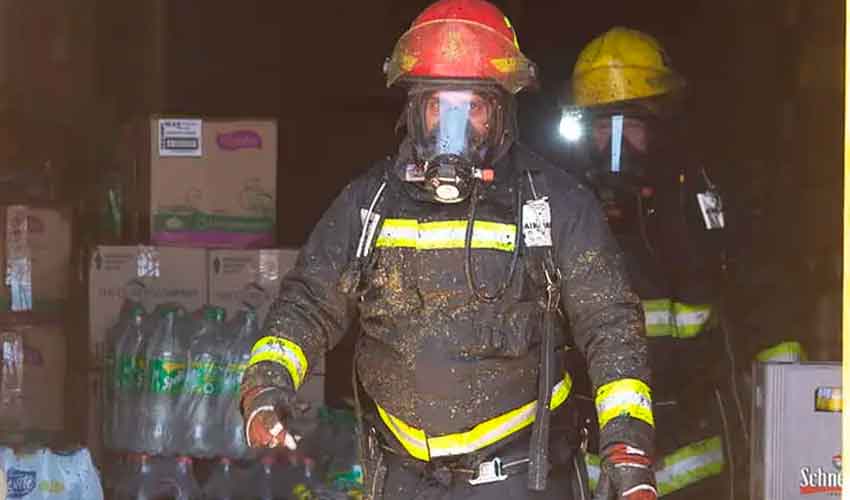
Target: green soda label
[(126, 372), (205, 378), (167, 377), (141, 363), (232, 378), (131, 373)]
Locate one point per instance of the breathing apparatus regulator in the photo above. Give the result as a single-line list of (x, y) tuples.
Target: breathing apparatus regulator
[(456, 131), (451, 177)]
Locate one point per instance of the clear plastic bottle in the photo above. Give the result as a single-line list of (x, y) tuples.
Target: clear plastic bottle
[(126, 380), (184, 479), (165, 375), (224, 481), (111, 378), (264, 481), (243, 332), (199, 401), (144, 481)]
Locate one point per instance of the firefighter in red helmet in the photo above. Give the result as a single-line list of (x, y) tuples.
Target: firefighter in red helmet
[(462, 258)]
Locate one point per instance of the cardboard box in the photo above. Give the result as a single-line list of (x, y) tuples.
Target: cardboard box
[(32, 394), (151, 275), (240, 279), (210, 183), (35, 251)]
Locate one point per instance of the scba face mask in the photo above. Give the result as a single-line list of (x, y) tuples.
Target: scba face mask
[(455, 132), (620, 144)]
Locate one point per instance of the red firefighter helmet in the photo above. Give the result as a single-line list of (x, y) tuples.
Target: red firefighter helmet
[(461, 40)]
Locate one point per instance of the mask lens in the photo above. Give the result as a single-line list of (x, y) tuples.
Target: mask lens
[(455, 122)]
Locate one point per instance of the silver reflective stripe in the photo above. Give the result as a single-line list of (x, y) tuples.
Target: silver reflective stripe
[(659, 317), (283, 351), (622, 398), (410, 233), (682, 468), (491, 436), (501, 234), (666, 318), (690, 465), (410, 438), (522, 418), (692, 318), (397, 233)]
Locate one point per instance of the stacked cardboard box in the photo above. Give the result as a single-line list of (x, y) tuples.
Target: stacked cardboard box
[(247, 278), (36, 268), (36, 257), (149, 275), (204, 183), (192, 277), (240, 279), (32, 398), (201, 200)]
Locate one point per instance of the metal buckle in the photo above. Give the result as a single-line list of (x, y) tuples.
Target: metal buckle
[(489, 472), (585, 436)]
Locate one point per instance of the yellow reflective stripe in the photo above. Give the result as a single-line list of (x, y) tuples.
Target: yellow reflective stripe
[(498, 428), (399, 233), (482, 435), (684, 467), (690, 319), (442, 235), (689, 465), (665, 318), (625, 397), (283, 352), (594, 470), (659, 317), (785, 352), (412, 439)]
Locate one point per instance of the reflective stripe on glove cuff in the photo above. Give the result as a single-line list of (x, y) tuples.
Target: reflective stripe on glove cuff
[(627, 473)]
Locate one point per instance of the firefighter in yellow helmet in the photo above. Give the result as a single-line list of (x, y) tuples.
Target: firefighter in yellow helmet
[(623, 65), (668, 217)]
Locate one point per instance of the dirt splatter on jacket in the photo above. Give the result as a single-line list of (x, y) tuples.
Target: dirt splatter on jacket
[(448, 373)]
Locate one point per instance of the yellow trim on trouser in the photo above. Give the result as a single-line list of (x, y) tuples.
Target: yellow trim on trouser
[(666, 318), (658, 314), (690, 465), (690, 319), (625, 397), (442, 235), (682, 468), (785, 352), (419, 446), (283, 352)]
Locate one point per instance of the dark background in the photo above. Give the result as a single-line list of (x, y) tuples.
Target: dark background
[(765, 113)]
